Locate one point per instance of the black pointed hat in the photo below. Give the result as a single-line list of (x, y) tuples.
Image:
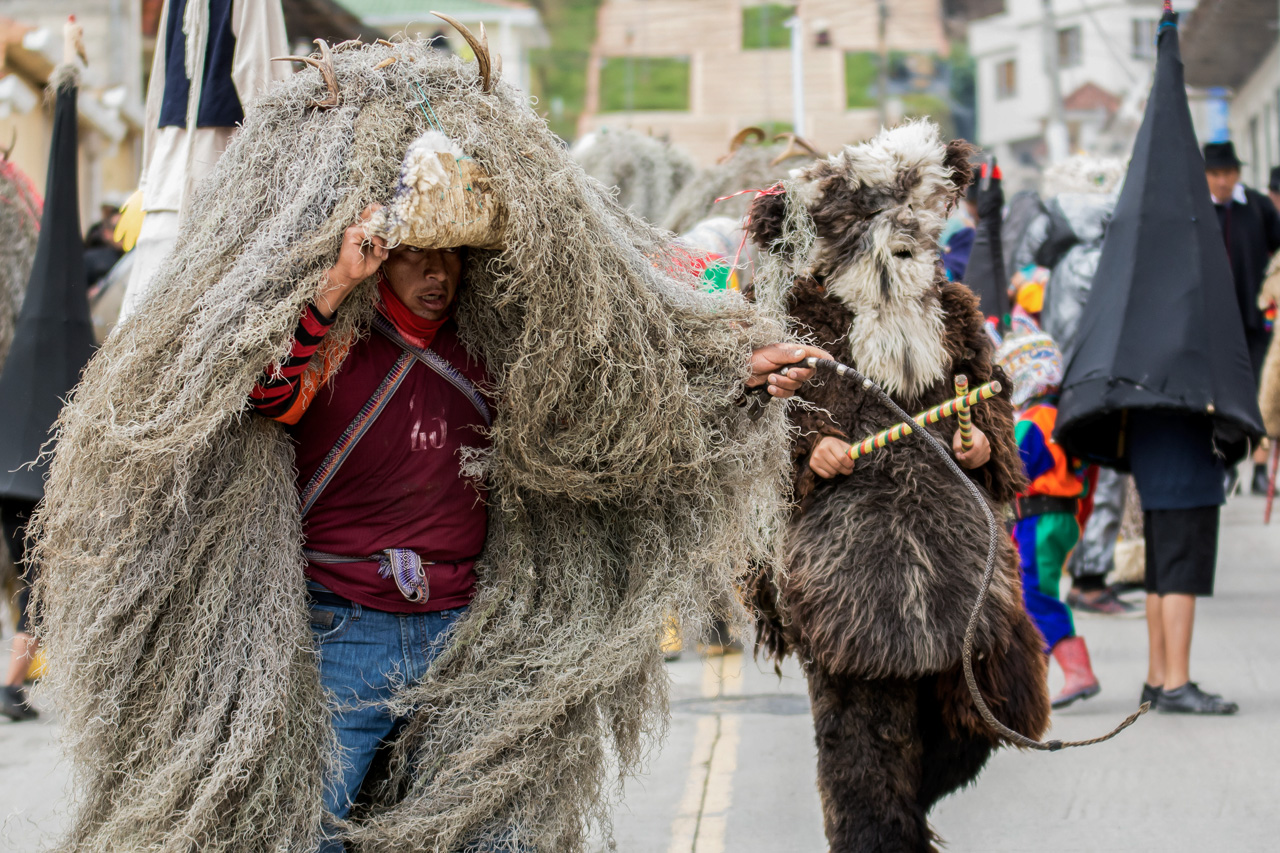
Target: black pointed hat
[(1162, 328), (985, 275), (53, 337)]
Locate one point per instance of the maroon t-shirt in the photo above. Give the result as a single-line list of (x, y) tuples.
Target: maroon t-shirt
[(402, 485)]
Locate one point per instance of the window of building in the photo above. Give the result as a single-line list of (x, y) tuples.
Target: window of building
[(861, 72), (1006, 79), (908, 74), (765, 26), (630, 83), (1142, 38), (1069, 55)]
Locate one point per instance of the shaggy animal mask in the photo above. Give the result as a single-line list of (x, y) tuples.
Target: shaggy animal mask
[(865, 224)]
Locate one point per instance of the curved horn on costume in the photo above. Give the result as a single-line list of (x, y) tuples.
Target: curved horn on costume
[(479, 46), (747, 134), (796, 146), (325, 64)]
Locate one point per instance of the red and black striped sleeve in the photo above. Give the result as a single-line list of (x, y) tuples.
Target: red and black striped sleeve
[(278, 387)]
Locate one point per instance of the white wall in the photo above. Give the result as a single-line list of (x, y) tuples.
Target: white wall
[(1107, 61), (1254, 124)]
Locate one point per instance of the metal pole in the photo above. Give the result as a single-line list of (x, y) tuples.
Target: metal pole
[(797, 74), (882, 48), (1055, 132)]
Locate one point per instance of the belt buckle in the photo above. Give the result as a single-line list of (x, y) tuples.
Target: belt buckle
[(405, 567)]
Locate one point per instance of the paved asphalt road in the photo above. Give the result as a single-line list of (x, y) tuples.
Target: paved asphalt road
[(735, 773)]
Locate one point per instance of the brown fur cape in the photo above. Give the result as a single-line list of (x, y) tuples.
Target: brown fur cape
[(884, 565)]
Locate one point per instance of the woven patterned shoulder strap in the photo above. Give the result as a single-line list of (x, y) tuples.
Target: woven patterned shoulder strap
[(355, 431), (439, 364)]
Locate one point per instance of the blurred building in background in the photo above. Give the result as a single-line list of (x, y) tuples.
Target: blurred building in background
[(1231, 51), (514, 29), (697, 71), (110, 99), (1104, 53), (119, 39)]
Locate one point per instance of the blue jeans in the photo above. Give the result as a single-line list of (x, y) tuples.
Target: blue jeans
[(364, 654)]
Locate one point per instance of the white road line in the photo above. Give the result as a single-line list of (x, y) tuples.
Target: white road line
[(703, 814)]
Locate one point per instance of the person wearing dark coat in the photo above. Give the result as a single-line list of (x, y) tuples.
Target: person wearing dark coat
[(52, 341), (1161, 382), (985, 273), (1251, 229)]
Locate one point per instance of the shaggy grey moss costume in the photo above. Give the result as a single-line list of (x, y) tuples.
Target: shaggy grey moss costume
[(747, 167), (20, 208), (646, 173), (624, 486), (884, 565)]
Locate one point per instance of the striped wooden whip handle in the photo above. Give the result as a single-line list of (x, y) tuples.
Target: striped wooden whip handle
[(963, 421), (929, 416)]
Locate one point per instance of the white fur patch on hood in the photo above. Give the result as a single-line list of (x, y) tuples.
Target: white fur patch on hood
[(889, 284)]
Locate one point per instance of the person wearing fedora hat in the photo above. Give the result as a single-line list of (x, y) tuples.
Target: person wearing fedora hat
[(1251, 228)]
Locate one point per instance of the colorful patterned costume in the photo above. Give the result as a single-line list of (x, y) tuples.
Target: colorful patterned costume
[(1047, 528), (1045, 540)]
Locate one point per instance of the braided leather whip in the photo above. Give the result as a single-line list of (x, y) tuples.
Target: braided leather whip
[(993, 531)]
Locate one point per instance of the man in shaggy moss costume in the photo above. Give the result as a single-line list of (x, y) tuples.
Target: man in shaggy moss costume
[(623, 485), (885, 556)]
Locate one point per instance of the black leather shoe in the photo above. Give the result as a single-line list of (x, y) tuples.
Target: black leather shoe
[(1260, 480), (1190, 699), (14, 705), (1150, 694)]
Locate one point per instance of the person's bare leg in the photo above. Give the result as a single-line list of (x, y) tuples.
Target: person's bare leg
[(24, 651), (1155, 642), (1178, 613)]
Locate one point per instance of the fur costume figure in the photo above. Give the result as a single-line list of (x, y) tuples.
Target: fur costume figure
[(747, 166), (1269, 386), (884, 565), (647, 173), (624, 486), (20, 209)]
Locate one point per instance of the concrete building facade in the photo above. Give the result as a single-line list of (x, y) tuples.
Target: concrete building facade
[(720, 65), (1231, 50), (110, 100), (1106, 54)]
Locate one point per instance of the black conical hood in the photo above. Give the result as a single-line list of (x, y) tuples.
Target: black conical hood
[(53, 337), (985, 274), (1161, 329)]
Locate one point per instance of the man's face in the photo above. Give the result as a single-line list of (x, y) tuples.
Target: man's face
[(426, 280), (1222, 182)]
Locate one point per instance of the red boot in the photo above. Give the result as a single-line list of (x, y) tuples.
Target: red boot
[(1073, 657)]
